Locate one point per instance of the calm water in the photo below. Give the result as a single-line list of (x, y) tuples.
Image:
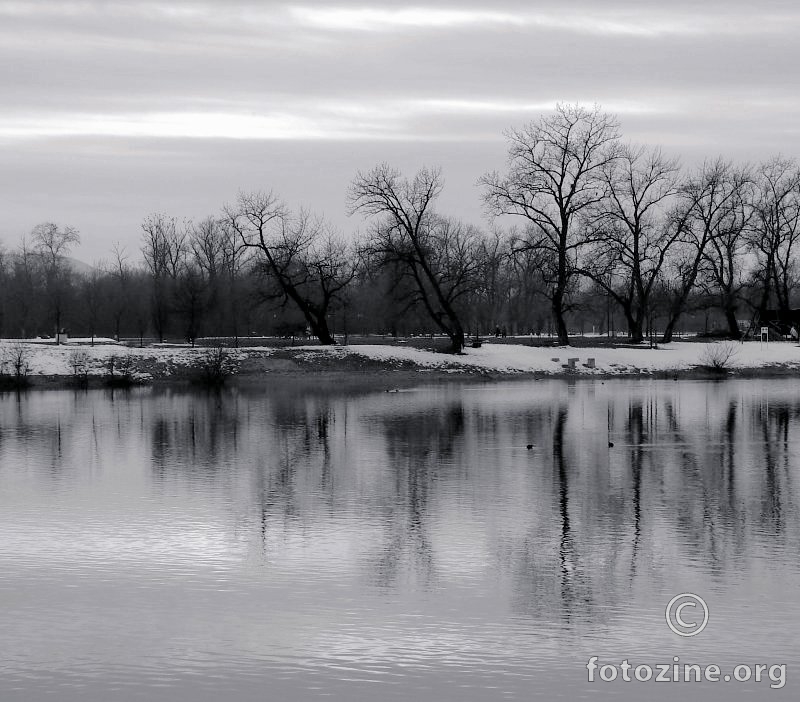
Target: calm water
[(274, 545)]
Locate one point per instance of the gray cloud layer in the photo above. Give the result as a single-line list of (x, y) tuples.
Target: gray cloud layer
[(114, 109)]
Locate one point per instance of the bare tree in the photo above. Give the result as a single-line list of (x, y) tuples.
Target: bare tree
[(555, 169), (52, 245), (119, 272), (723, 268), (628, 233), (775, 231), (164, 250), (207, 243), (140, 284), (91, 292), (191, 299), (26, 276), (529, 271), (203, 280), (439, 255), (5, 277), (707, 198), (489, 299), (234, 293), (304, 261)]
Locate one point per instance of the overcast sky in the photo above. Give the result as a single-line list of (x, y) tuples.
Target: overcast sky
[(112, 110)]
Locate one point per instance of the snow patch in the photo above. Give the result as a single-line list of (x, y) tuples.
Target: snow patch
[(49, 359), (516, 358)]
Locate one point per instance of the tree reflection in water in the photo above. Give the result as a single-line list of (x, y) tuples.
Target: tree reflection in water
[(435, 489)]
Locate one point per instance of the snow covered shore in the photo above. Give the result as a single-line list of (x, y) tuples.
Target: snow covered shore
[(165, 361), (513, 358)]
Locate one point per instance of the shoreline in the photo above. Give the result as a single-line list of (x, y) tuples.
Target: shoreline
[(391, 378), (390, 366)]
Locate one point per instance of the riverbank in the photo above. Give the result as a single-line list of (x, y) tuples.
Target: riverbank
[(49, 365)]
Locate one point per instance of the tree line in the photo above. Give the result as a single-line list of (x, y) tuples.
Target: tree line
[(585, 229)]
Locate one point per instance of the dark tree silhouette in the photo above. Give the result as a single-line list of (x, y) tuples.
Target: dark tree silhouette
[(775, 232), (301, 257), (53, 244), (629, 242), (440, 256), (555, 174), (707, 198)]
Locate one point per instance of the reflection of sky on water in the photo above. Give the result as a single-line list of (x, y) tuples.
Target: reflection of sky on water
[(409, 539)]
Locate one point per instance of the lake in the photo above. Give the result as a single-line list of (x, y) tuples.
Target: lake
[(276, 543)]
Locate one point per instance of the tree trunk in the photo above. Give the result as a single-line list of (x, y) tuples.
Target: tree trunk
[(733, 325), (635, 330), (670, 328), (561, 325), (679, 304), (457, 341), (561, 286), (763, 302), (319, 327), (635, 324)]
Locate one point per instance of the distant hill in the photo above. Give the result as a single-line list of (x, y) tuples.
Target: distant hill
[(76, 266)]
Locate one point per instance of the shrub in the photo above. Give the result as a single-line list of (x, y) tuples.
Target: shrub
[(718, 356), (120, 371), (14, 366), (81, 365), (213, 367)]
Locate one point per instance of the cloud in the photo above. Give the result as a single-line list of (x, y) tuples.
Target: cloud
[(130, 101), (183, 125), (355, 119), (375, 19), (510, 106), (643, 22)]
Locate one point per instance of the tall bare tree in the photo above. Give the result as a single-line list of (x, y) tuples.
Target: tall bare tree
[(235, 293), (555, 174), (164, 248), (629, 237), (26, 276), (5, 277), (92, 296), (724, 266), (207, 241), (489, 299), (775, 231), (707, 198), (303, 260), (119, 272), (440, 256), (53, 243), (528, 286)]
